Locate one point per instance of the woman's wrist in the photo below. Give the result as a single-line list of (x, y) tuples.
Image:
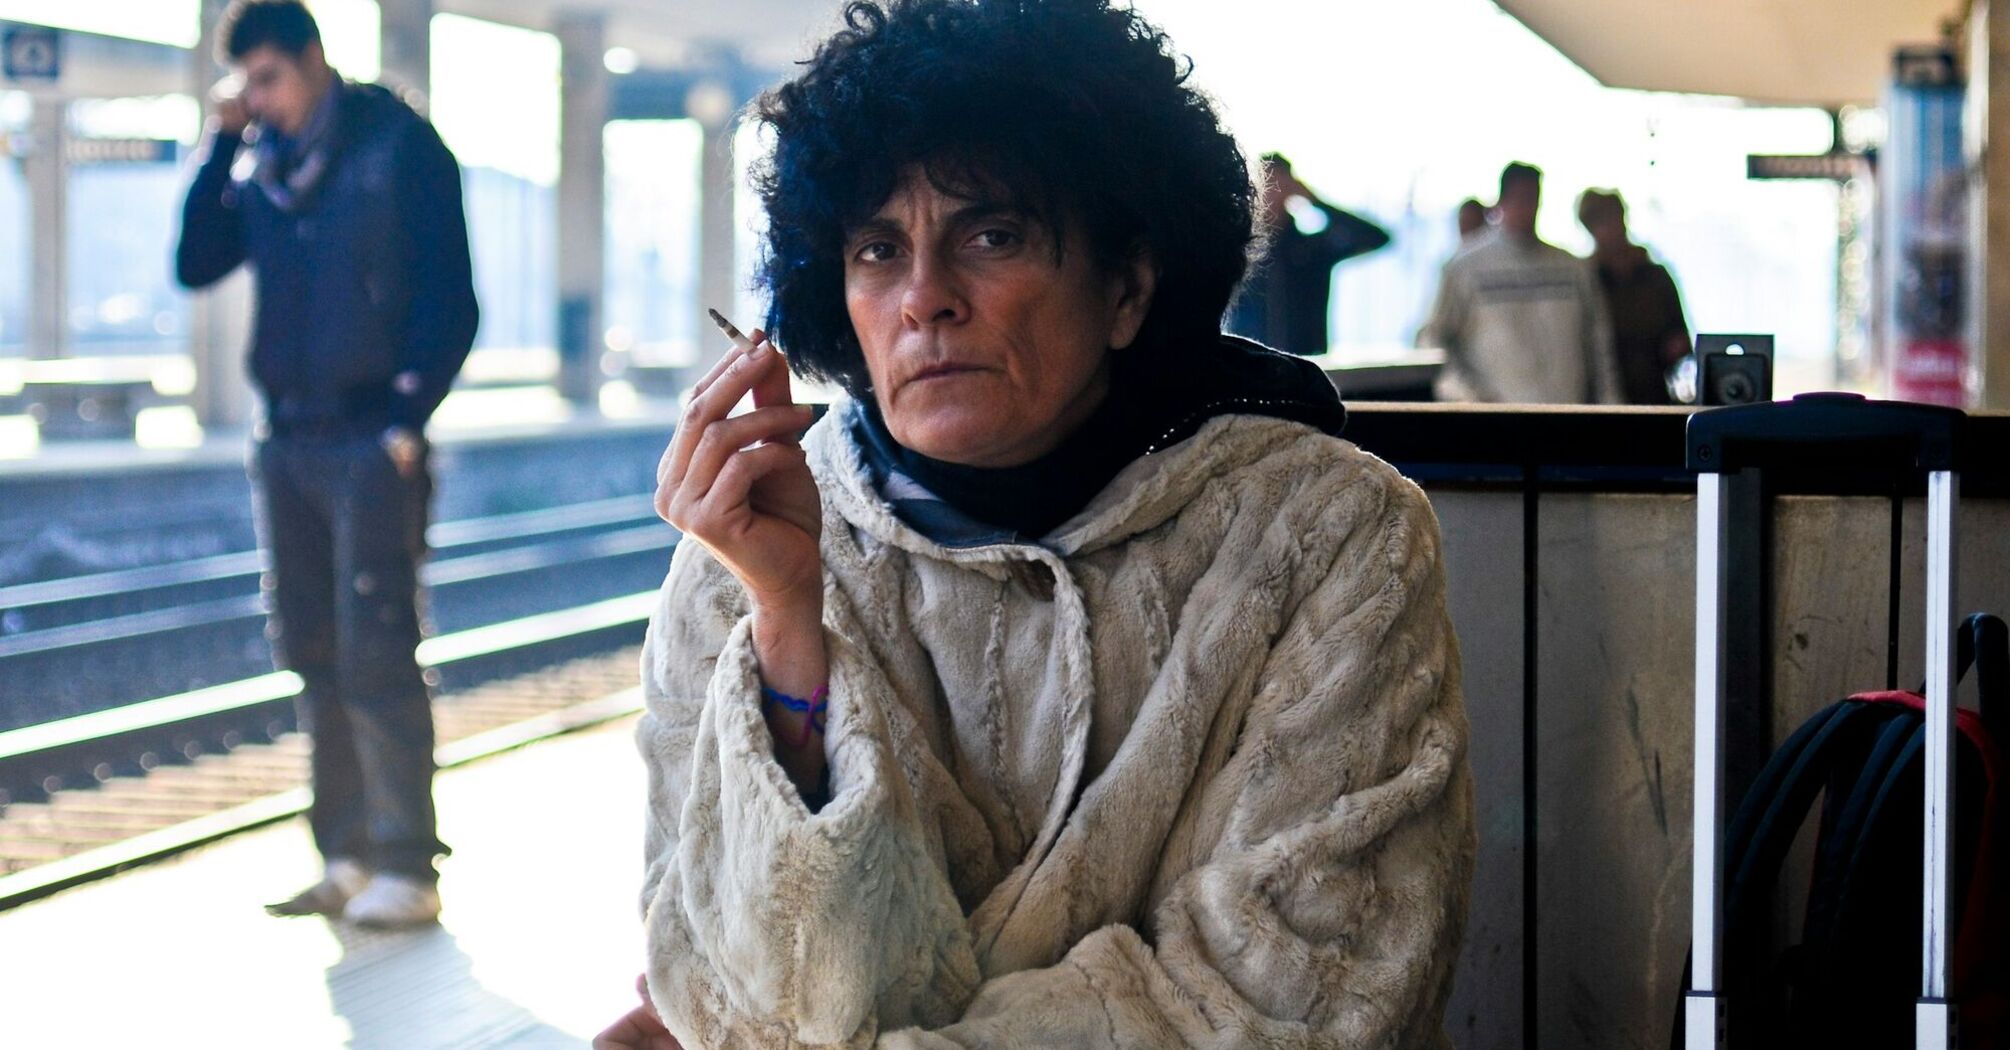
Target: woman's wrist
[(789, 644), (789, 647)]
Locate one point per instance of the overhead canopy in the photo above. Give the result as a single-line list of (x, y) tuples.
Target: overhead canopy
[(767, 32), (1826, 53)]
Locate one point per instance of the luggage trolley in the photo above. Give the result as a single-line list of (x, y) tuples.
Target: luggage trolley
[(1822, 431)]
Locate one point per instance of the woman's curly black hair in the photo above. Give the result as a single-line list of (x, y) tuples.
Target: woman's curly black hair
[(1063, 109)]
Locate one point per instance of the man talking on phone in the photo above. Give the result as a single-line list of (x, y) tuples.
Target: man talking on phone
[(347, 206)]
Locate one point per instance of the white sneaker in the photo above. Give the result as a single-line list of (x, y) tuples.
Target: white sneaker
[(394, 900), (343, 878)]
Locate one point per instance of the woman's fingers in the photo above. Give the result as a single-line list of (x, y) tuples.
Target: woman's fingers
[(719, 443), (727, 437), (718, 368), (642, 990), (737, 478), (681, 440), (725, 361), (636, 1030), (771, 386), (714, 403)]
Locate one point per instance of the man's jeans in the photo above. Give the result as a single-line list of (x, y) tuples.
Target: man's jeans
[(346, 534)]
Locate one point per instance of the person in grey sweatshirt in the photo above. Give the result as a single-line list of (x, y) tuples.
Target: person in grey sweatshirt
[(1521, 320)]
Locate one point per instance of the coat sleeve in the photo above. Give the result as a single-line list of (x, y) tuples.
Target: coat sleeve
[(440, 327), (212, 231), (1347, 235), (1600, 357), (769, 925), (1328, 910), (1675, 340)]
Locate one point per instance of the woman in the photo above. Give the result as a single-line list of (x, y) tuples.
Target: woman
[(1073, 685)]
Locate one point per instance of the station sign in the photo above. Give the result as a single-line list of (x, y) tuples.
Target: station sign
[(119, 151), (31, 54), (77, 151), (1830, 167)]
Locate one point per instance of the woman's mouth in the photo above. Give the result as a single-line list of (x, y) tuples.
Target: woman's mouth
[(941, 371)]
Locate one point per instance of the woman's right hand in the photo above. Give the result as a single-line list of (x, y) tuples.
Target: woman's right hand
[(638, 1029), (742, 486)]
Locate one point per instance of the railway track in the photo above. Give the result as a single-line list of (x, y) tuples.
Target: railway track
[(132, 772), (138, 634)]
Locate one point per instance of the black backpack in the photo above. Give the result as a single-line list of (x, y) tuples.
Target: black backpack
[(1854, 975)]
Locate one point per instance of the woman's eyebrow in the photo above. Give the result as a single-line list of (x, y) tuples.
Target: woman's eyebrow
[(877, 226), (982, 211)]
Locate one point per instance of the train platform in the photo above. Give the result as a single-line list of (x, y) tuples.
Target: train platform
[(538, 945)]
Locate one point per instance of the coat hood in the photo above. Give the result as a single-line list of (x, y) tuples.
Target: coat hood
[(1176, 397)]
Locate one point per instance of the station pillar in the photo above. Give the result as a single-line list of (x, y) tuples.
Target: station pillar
[(220, 315), (1988, 118), (405, 46), (582, 204), (717, 272), (47, 174)]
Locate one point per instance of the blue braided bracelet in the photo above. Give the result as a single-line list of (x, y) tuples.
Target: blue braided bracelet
[(818, 703)]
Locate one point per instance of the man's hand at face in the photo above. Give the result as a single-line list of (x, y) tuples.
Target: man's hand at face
[(227, 107)]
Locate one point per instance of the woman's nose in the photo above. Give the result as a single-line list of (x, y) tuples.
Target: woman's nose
[(933, 295)]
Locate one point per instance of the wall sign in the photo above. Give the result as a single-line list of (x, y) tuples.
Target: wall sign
[(31, 53)]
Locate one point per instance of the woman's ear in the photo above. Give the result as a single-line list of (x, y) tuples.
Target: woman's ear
[(1131, 288)]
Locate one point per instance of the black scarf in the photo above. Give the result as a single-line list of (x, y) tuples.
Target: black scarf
[(1156, 400)]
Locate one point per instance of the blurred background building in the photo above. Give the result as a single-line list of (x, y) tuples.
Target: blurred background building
[(607, 199)]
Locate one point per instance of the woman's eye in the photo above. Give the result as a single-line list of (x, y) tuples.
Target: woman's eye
[(875, 251), (995, 238)]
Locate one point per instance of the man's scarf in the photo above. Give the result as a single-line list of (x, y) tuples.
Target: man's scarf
[(289, 169)]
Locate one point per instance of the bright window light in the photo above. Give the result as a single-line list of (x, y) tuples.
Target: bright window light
[(621, 61), (348, 27), (1399, 134), (161, 21), (352, 35), (167, 426), (495, 96)]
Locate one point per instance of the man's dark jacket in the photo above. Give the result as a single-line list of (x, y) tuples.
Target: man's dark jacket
[(366, 303)]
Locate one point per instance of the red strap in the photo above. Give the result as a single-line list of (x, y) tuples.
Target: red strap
[(1973, 940)]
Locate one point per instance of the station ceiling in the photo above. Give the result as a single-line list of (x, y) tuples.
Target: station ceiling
[(771, 33), (1825, 53)]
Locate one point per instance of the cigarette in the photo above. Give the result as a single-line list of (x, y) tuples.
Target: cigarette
[(726, 326)]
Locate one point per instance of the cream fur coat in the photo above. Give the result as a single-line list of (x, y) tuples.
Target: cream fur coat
[(1191, 774)]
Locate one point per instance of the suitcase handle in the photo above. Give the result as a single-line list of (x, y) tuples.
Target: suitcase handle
[(1984, 643), (1823, 429)]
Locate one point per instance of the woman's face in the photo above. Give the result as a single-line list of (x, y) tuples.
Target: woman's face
[(983, 349)]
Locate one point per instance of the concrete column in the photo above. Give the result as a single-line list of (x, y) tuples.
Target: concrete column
[(582, 204), (219, 316), (48, 178), (406, 40), (717, 274), (1989, 122)]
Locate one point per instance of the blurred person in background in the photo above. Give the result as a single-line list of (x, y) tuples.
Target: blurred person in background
[(1471, 217), (1649, 332), (347, 206), (1472, 220), (1520, 320), (1072, 684), (1284, 302)]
